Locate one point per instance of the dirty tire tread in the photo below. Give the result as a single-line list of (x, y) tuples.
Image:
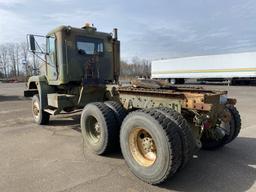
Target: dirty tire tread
[(211, 144), (174, 143), (111, 127), (237, 120), (120, 112), (185, 132), (173, 138)]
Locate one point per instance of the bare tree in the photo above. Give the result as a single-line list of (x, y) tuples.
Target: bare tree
[(24, 56), (12, 55), (4, 60), (137, 68), (17, 58), (11, 58)]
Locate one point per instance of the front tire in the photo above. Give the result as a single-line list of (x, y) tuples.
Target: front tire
[(151, 145), (40, 116)]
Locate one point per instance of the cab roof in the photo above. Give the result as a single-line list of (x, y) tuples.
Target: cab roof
[(83, 31)]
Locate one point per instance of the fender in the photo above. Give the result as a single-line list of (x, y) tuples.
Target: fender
[(38, 85)]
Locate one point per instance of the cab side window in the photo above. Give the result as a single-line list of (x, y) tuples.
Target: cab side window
[(50, 45), (51, 58)]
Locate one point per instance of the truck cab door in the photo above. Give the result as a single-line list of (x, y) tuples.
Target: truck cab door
[(51, 58)]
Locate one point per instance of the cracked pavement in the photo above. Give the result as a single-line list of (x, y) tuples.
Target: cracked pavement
[(51, 158)]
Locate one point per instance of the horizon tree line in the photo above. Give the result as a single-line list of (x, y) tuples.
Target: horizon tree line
[(16, 62)]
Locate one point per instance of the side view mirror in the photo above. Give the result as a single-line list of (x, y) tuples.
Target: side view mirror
[(32, 43)]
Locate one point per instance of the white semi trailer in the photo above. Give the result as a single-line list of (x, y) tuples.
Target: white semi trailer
[(235, 67)]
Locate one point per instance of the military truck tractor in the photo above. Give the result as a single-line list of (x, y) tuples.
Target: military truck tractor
[(158, 126)]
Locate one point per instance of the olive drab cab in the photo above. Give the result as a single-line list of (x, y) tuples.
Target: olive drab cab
[(76, 54), (78, 64)]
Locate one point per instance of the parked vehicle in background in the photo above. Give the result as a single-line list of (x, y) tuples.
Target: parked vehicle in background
[(237, 68)]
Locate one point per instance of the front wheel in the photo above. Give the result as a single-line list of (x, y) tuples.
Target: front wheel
[(151, 145), (39, 115)]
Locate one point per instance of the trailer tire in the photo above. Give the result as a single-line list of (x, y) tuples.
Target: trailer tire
[(99, 128), (172, 81), (40, 117), (181, 81), (145, 133), (185, 132), (118, 109)]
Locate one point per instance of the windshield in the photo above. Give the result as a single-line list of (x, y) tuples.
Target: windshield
[(89, 46)]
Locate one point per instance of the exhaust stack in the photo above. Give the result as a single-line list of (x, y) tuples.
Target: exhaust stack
[(115, 35)]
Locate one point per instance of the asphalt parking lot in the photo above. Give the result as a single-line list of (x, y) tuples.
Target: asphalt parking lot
[(51, 158)]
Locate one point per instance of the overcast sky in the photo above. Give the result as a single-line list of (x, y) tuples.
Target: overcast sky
[(147, 28)]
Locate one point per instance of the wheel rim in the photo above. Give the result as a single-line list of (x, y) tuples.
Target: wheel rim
[(173, 81), (226, 127), (93, 129), (36, 109), (225, 122), (142, 147)]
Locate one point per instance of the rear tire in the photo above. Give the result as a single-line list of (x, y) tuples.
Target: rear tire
[(151, 145), (118, 109), (99, 128), (40, 116), (185, 132), (237, 120), (210, 143)]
